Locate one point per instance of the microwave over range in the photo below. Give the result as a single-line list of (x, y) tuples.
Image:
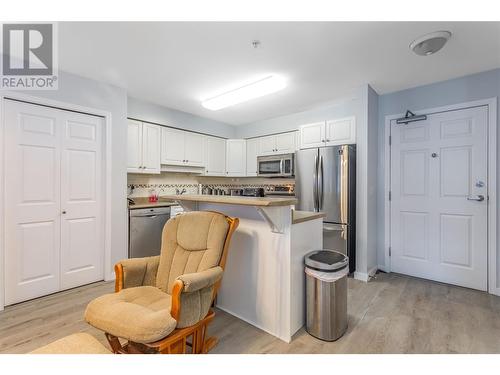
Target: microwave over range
[(275, 165)]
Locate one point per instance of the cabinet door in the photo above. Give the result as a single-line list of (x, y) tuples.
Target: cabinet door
[(151, 137), (285, 143), (341, 131), (312, 135), (252, 152), (134, 147), (172, 146), (267, 145), (236, 163), (194, 149), (215, 156)]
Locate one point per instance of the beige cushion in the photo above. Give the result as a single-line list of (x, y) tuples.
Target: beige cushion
[(140, 314), (78, 343), (191, 242)]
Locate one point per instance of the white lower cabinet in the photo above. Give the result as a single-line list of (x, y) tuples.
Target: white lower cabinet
[(54, 236), (252, 152), (215, 156), (236, 163)]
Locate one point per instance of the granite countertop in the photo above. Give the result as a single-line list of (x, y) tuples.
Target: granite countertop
[(143, 202), (238, 200), (302, 216)]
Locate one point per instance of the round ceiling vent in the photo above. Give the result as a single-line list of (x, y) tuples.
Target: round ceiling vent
[(430, 43)]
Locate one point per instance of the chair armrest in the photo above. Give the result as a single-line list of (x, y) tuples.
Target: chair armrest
[(193, 293), (136, 272), (199, 280)]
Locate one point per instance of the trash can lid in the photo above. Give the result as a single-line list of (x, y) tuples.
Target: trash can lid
[(326, 260)]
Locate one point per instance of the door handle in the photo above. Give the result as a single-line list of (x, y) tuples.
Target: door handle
[(315, 183), (478, 198), (320, 183)]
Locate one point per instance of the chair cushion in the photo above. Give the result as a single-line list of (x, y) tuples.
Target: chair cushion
[(78, 343), (140, 314), (191, 242)]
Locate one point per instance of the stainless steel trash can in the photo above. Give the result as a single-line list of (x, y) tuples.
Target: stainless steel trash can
[(326, 294)]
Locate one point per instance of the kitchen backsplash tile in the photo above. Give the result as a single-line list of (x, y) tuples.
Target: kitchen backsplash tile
[(140, 185)]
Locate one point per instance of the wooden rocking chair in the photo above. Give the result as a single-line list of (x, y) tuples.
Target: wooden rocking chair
[(162, 304)]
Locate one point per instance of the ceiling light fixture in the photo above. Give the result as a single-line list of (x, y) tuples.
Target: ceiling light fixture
[(252, 90), (430, 43)]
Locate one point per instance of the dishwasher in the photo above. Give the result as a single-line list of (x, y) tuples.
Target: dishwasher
[(145, 228)]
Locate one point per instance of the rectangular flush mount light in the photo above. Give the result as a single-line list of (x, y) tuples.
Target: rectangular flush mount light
[(247, 92)]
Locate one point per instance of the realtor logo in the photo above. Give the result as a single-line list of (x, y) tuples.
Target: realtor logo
[(29, 56)]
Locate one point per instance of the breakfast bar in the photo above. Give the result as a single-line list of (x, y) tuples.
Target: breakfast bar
[(263, 281)]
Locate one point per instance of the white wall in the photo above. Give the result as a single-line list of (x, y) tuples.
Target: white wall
[(151, 112), (478, 86), (89, 93)]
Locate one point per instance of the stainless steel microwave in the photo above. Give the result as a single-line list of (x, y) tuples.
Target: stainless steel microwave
[(275, 166)]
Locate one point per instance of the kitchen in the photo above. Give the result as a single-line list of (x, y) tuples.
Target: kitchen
[(112, 185)]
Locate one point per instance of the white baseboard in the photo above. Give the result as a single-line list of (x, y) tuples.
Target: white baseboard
[(383, 268), (365, 276)]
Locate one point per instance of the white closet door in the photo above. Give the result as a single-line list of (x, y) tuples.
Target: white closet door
[(32, 201), (82, 245)]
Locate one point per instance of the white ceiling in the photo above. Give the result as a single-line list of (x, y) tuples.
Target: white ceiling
[(179, 64)]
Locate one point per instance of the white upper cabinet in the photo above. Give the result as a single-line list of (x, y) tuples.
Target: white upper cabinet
[(172, 146), (134, 147), (285, 143), (143, 147), (215, 156), (267, 145), (182, 148), (312, 135), (328, 133), (277, 144), (151, 136), (341, 131), (194, 149), (236, 161), (252, 152)]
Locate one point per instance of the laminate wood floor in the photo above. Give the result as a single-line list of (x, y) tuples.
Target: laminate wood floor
[(390, 314)]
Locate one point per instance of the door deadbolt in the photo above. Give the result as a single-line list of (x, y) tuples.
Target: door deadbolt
[(434, 155)]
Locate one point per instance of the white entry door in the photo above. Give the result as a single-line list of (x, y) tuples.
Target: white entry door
[(439, 197), (53, 229)]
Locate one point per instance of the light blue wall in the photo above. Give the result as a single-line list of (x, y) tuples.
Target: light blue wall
[(342, 108), (146, 111), (473, 87)]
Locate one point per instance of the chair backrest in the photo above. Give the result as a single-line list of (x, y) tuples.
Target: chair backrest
[(191, 242)]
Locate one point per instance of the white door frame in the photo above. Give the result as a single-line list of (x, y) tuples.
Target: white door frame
[(491, 104), (107, 175)]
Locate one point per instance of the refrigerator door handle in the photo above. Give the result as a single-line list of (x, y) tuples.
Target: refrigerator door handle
[(344, 183), (320, 183), (315, 183)]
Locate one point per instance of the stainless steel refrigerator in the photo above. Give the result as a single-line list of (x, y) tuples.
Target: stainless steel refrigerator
[(325, 180)]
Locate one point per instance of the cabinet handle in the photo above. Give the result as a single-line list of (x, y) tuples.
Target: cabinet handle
[(328, 140)]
